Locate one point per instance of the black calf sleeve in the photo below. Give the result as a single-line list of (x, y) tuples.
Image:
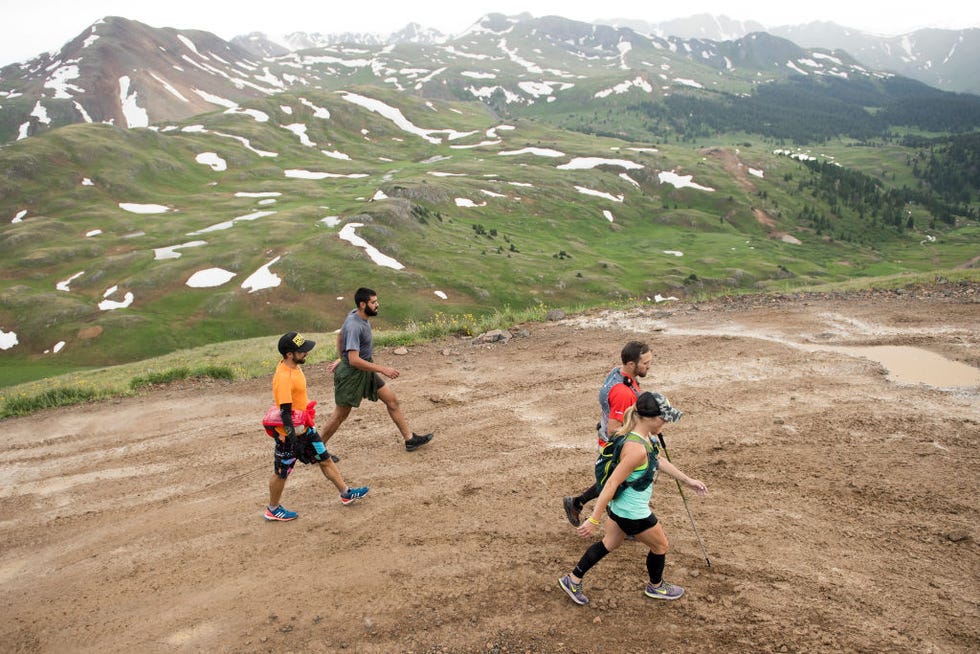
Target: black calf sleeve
[(587, 496), (592, 556), (655, 567)]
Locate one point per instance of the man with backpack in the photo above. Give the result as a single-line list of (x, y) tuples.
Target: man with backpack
[(618, 393)]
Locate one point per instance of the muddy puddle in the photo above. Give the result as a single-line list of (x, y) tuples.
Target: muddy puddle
[(912, 365), (904, 364)]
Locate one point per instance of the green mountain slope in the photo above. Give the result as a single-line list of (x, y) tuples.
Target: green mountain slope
[(487, 214)]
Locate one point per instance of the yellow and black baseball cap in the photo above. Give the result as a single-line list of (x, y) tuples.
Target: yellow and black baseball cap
[(293, 342)]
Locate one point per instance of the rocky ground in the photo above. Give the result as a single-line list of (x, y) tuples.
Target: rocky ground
[(842, 513)]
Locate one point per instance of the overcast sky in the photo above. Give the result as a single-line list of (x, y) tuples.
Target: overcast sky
[(30, 27)]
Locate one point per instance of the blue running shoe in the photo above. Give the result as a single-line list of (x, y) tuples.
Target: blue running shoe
[(665, 591), (353, 494), (574, 590), (280, 513)]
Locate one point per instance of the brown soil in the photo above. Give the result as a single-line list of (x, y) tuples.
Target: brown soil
[(763, 218), (842, 513), (733, 165)]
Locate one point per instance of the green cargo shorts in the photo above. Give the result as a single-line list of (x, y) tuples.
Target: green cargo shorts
[(351, 385)]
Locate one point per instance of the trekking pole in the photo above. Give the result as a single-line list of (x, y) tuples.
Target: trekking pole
[(700, 542)]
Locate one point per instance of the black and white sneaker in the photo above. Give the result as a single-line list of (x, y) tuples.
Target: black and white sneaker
[(572, 511), (417, 441)]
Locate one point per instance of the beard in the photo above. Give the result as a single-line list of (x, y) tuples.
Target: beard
[(369, 311)]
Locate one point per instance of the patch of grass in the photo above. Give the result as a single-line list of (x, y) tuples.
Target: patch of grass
[(468, 324), (176, 374), (22, 405), (216, 372), (165, 377), (11, 375), (106, 383), (887, 282)]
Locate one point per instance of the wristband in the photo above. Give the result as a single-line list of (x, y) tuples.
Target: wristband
[(593, 521)]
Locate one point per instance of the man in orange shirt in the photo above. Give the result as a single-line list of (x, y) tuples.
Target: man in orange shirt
[(289, 392)]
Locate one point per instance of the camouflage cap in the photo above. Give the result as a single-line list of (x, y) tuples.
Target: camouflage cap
[(652, 405)]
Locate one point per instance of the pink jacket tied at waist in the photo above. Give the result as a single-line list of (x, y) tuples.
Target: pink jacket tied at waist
[(273, 418)]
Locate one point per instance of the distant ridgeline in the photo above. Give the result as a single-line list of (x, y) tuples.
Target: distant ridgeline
[(516, 65)]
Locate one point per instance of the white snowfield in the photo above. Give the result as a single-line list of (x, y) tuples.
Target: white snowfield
[(7, 339), (109, 305), (212, 159), (308, 174), (348, 234), (171, 252), (680, 181), (136, 116), (143, 208), (541, 152), (209, 278), (599, 194), (263, 278), (66, 284), (228, 224), (396, 116), (587, 163)]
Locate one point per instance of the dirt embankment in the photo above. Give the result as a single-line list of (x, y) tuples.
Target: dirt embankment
[(842, 513)]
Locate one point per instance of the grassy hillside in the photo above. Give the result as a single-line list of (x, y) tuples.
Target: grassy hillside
[(484, 213)]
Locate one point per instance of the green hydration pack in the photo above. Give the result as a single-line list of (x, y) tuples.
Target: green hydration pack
[(609, 459)]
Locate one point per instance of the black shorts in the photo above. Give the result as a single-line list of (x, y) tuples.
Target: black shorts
[(284, 460), (308, 445), (632, 527)]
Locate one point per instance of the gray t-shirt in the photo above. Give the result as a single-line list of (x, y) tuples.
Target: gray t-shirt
[(355, 334)]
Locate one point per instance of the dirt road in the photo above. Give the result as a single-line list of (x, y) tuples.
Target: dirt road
[(842, 513)]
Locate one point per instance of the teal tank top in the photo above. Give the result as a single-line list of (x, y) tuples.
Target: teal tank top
[(630, 503)]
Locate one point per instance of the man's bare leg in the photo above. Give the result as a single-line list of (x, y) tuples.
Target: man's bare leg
[(386, 395), (334, 422), (276, 486), (332, 472)]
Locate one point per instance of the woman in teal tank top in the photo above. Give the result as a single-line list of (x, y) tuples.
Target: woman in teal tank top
[(629, 508)]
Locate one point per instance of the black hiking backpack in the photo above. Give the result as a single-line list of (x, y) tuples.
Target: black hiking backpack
[(609, 459)]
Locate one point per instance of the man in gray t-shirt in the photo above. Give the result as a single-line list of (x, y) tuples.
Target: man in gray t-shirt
[(356, 335), (356, 377)]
